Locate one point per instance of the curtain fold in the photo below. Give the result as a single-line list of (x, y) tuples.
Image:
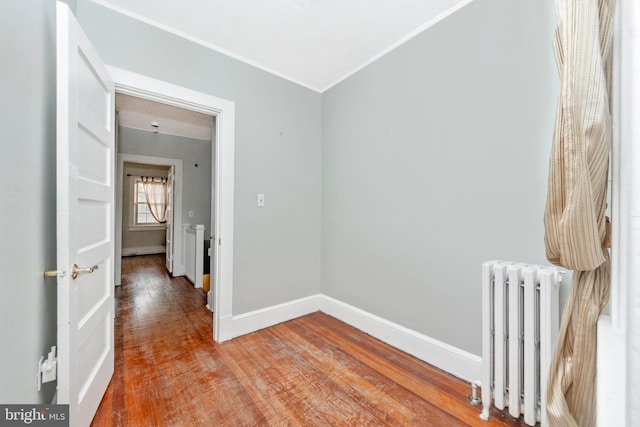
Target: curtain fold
[(155, 192), (575, 223)]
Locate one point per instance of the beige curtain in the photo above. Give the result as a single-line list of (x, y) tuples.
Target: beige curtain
[(155, 191), (575, 223)]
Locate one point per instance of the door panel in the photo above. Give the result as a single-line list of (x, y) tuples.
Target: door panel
[(85, 220)]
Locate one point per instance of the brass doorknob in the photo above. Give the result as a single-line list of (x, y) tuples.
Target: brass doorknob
[(76, 271)]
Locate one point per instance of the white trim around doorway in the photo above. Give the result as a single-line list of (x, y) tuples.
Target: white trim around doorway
[(141, 86), (178, 269), (618, 351)]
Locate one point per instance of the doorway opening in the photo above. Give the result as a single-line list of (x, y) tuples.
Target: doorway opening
[(144, 231), (134, 239), (221, 181)]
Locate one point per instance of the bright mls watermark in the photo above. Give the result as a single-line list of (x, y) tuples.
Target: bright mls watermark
[(34, 415)]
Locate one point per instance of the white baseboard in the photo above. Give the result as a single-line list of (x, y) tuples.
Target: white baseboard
[(451, 359), (144, 250), (225, 328), (270, 316)]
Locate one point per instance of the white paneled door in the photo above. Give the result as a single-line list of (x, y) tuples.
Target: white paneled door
[(85, 221)]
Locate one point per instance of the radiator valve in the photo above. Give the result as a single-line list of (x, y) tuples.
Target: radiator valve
[(474, 399)]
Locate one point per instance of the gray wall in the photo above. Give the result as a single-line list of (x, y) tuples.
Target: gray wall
[(196, 180), (140, 238), (434, 161), (27, 205), (278, 131)]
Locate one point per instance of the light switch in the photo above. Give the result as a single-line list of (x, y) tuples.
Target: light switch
[(260, 200), (190, 214)]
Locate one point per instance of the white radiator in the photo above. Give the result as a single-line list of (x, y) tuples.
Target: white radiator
[(520, 321), (194, 253)]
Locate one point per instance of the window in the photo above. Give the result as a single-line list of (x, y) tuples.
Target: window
[(142, 214)]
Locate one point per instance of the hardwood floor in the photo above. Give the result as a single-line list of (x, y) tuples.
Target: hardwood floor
[(311, 371)]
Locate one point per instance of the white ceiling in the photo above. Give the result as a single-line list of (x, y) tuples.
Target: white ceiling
[(138, 113), (315, 43)]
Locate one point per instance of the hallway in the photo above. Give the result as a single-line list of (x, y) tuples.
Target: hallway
[(312, 371)]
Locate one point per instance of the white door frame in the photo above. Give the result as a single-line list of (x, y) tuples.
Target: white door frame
[(618, 357), (133, 84), (178, 268)]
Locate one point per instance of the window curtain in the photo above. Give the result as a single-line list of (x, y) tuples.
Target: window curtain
[(575, 222), (155, 192)]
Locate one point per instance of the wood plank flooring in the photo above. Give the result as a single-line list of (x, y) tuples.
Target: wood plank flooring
[(311, 371)]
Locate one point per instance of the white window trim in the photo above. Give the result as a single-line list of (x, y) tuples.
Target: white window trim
[(150, 227)]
